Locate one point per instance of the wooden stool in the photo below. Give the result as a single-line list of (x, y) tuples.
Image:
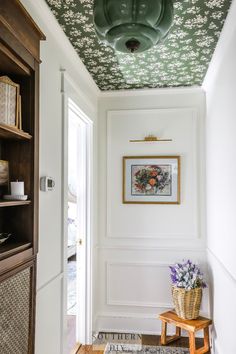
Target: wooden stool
[(192, 326)]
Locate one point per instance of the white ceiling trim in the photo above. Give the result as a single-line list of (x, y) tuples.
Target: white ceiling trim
[(151, 91)]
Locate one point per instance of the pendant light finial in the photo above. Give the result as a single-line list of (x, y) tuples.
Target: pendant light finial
[(132, 26), (132, 45)]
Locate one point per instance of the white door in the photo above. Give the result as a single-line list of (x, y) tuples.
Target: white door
[(77, 131), (82, 134)]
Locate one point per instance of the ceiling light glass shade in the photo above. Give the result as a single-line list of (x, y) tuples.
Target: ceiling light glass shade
[(132, 25)]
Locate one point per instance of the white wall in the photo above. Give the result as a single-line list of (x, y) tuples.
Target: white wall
[(220, 87), (56, 53), (138, 242)]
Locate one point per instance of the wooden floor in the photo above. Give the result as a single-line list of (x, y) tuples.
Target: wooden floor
[(71, 336), (147, 340)]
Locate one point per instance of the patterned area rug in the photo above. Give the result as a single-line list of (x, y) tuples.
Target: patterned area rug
[(113, 348), (101, 339)]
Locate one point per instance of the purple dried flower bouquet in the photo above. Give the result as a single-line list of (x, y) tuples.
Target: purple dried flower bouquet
[(187, 275)]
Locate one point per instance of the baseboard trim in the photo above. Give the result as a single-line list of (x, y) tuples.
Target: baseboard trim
[(142, 323), (216, 348)]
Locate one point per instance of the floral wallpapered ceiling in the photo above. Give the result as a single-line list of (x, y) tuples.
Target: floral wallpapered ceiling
[(182, 60)]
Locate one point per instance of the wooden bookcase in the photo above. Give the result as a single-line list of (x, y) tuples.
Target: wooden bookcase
[(19, 60)]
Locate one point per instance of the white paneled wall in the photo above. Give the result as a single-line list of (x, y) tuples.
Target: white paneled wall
[(220, 87), (49, 318), (153, 221), (138, 242)]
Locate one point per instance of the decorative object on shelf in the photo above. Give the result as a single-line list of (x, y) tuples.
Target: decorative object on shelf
[(4, 173), (132, 26), (9, 92), (19, 113), (17, 188), (4, 236), (15, 197), (149, 139), (187, 285), (151, 179), (17, 192)]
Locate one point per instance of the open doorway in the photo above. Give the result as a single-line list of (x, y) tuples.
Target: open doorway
[(78, 247)]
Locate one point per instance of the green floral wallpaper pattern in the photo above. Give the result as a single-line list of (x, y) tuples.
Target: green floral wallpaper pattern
[(182, 60)]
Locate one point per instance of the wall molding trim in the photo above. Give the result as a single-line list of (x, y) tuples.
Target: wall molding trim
[(70, 88), (150, 248), (155, 305), (126, 315), (191, 109), (109, 301), (151, 91), (197, 230), (133, 322), (157, 236), (129, 322)]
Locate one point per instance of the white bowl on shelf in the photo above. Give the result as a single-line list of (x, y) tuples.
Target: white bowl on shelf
[(4, 236), (15, 197)]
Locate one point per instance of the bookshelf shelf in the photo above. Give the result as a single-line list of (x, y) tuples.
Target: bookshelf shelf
[(12, 248), (7, 203), (7, 132)]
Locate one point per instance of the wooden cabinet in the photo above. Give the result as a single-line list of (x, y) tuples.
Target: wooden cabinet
[(17, 294), (19, 60)]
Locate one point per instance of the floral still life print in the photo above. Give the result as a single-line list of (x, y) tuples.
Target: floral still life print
[(151, 180)]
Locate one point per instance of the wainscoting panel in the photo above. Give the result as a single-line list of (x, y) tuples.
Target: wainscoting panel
[(135, 287), (138, 242), (138, 284)]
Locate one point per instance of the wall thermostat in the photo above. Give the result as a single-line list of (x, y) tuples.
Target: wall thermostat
[(47, 184)]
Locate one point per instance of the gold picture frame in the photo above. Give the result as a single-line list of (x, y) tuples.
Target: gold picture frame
[(151, 180), (9, 102)]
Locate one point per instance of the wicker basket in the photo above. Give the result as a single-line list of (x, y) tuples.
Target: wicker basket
[(187, 302)]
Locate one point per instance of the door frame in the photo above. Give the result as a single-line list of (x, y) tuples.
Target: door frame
[(70, 91)]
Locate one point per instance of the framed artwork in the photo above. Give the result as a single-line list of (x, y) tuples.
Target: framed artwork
[(4, 173), (9, 100), (151, 179)]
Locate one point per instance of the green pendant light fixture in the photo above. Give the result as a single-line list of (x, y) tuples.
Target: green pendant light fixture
[(132, 26)]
